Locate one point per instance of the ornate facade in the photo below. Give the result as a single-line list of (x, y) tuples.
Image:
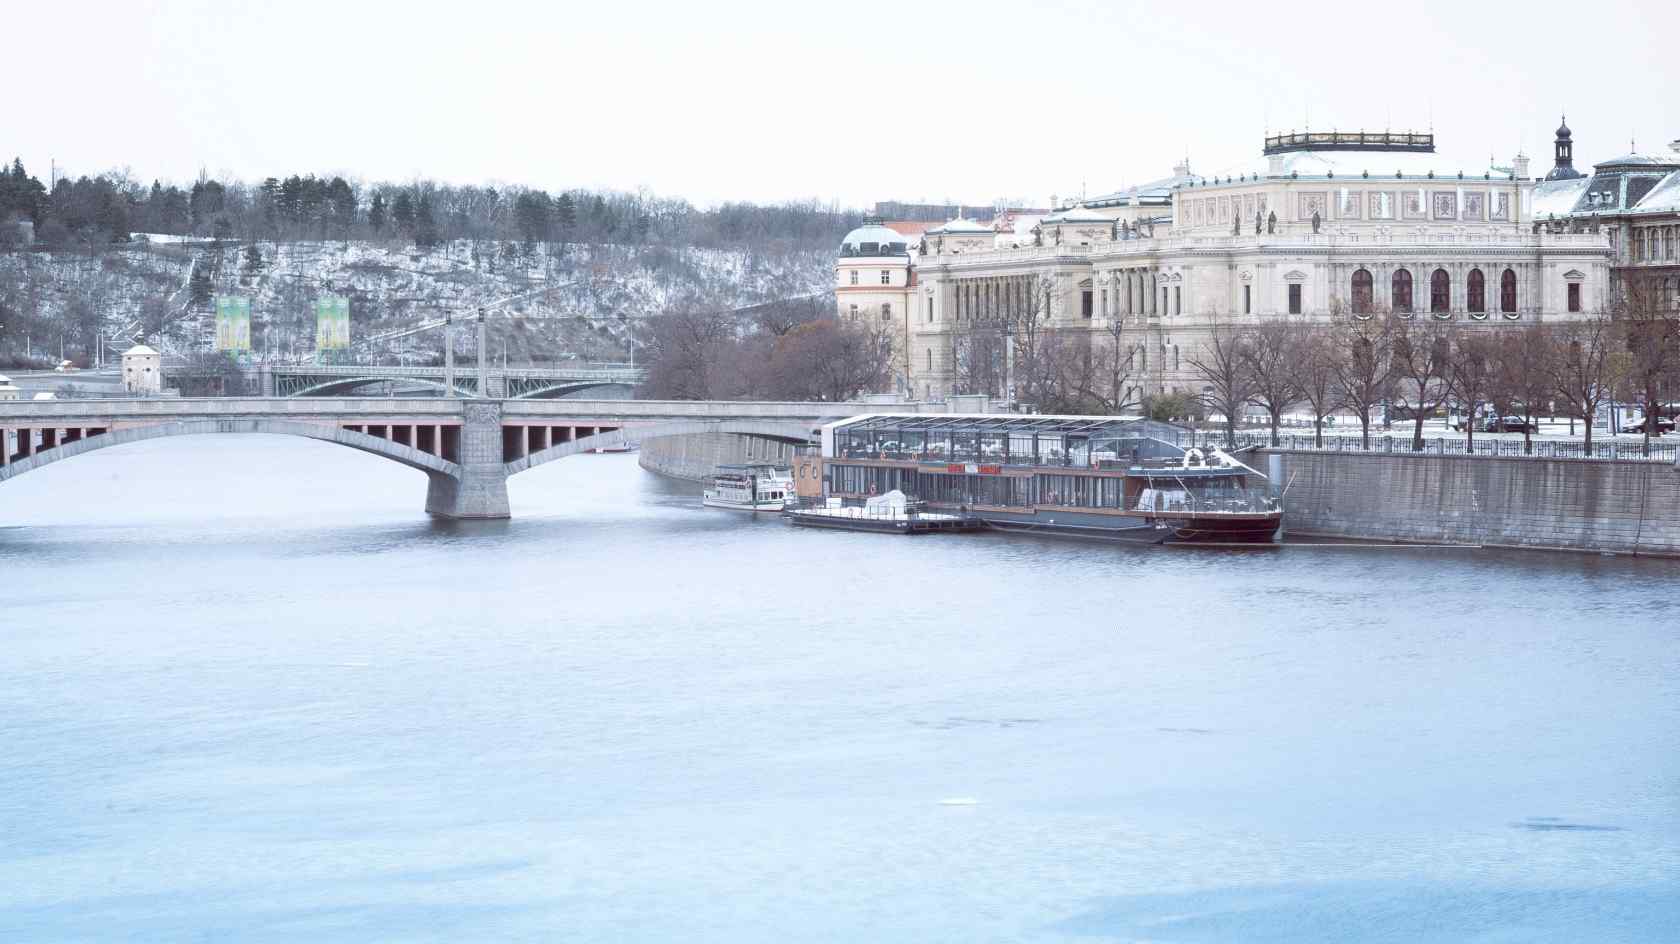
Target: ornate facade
[(1323, 226)]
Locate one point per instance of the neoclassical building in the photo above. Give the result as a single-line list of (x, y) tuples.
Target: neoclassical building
[(1633, 199), (1323, 225)]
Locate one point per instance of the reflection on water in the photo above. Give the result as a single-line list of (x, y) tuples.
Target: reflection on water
[(250, 691)]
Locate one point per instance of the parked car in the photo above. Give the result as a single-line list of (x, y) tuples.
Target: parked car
[(1637, 425), (1508, 424)]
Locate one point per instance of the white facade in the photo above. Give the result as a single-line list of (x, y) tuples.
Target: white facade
[(142, 371), (1323, 227)]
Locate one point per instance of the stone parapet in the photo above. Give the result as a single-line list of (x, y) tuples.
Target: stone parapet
[(1572, 504)]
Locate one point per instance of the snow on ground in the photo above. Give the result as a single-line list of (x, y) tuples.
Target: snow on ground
[(134, 287)]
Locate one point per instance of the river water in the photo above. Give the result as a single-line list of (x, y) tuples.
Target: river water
[(248, 691)]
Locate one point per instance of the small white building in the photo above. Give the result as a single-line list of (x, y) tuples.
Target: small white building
[(8, 390), (142, 370)]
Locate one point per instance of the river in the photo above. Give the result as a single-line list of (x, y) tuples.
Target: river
[(249, 692)]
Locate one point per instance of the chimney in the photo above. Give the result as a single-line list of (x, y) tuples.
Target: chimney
[(1182, 169), (1519, 166), (1674, 145)]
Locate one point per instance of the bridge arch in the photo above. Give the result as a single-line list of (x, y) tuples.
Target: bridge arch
[(373, 445), (343, 385), (799, 433), (554, 390)]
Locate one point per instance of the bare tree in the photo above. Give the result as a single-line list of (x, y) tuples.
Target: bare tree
[(1650, 329), (1315, 378), (1221, 364), (1471, 376), (1583, 368), (1524, 376), (1421, 352), (1363, 369), (1272, 355), (825, 360)]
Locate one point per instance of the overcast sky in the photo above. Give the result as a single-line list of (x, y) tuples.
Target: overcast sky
[(849, 102)]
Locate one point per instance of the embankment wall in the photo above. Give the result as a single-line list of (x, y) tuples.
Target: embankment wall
[(696, 457), (1570, 504)]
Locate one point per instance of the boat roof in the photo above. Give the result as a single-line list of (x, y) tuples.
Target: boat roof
[(1009, 422)]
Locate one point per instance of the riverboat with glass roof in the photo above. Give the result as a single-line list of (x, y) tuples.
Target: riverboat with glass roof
[(1110, 477)]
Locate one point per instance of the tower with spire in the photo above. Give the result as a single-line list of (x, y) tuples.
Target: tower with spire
[(1563, 154)]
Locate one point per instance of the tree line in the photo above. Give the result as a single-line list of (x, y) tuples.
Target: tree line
[(107, 208), (1418, 367), (794, 349)]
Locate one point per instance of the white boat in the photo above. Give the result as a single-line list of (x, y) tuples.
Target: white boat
[(749, 488)]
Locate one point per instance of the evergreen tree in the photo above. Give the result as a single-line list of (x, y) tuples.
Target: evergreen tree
[(425, 226), (402, 212), (376, 213), (565, 213)]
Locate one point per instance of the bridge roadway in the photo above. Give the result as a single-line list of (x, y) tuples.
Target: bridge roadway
[(467, 448)]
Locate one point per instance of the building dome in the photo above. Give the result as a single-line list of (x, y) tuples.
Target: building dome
[(1563, 130), (873, 239), (139, 350)]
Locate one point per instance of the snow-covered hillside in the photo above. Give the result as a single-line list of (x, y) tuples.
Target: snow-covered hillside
[(162, 290)]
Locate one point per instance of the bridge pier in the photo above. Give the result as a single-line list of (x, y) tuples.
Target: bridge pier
[(481, 489)]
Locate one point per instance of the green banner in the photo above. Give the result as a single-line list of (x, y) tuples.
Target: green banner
[(332, 323), (233, 323)]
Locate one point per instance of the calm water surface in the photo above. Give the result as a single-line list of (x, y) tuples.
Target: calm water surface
[(249, 692)]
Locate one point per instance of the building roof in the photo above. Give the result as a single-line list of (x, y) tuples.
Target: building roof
[(873, 239), (1635, 159), (1153, 193), (1558, 197), (960, 226), (1078, 213), (140, 350), (1663, 198)]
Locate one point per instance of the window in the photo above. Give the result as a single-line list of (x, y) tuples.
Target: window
[(1440, 292), (1178, 299), (1295, 298), (854, 277), (1402, 286), (1362, 292), (930, 358), (886, 312), (1574, 296), (1477, 286), (930, 310), (886, 276), (1508, 292), (1248, 299), (854, 313), (1085, 303)]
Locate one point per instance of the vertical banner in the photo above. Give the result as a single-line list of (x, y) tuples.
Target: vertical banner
[(332, 323), (233, 323)]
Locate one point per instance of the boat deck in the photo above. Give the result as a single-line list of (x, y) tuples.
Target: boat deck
[(895, 522)]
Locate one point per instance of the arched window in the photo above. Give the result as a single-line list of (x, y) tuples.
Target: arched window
[(1440, 292), (1402, 285), (1361, 292), (886, 312), (930, 358), (1477, 291), (1508, 292)]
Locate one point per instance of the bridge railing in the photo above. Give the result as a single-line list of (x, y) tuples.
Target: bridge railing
[(1623, 450)]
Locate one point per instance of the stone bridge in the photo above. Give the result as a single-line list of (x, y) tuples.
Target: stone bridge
[(467, 448)]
